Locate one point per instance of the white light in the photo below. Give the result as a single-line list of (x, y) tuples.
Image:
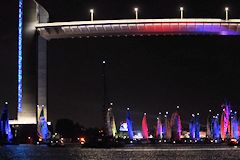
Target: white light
[(136, 13), (167, 112), (128, 109), (111, 103), (198, 114), (91, 12), (104, 62), (145, 113), (193, 115), (181, 10), (178, 107), (159, 113), (210, 110), (226, 9), (6, 102)]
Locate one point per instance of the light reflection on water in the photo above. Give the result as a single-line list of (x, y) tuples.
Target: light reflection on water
[(32, 152)]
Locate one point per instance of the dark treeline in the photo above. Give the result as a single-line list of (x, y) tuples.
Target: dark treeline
[(69, 129)]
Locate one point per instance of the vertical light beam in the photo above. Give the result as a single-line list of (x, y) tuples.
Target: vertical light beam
[(20, 30)]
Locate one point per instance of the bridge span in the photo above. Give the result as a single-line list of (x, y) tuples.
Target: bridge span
[(140, 27)]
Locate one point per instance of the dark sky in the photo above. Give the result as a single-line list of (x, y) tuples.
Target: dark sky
[(147, 74)]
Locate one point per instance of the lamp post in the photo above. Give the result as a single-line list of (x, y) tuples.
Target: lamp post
[(91, 14), (136, 13), (181, 12), (226, 13)]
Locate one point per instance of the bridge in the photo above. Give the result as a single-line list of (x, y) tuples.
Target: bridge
[(34, 31), (140, 27)]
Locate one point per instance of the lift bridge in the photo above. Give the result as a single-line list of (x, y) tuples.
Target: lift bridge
[(35, 30)]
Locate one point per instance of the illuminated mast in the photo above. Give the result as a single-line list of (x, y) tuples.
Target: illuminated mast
[(105, 108)]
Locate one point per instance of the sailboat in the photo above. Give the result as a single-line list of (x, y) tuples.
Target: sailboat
[(145, 127), (159, 129), (42, 128), (5, 129), (114, 128), (129, 125)]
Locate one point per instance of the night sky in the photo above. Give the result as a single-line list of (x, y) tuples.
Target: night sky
[(147, 74)]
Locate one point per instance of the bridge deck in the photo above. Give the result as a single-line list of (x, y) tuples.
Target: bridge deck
[(132, 27)]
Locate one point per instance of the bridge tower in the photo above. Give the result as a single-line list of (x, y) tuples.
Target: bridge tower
[(32, 62)]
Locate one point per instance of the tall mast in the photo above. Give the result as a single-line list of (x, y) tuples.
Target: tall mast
[(104, 85), (105, 108)]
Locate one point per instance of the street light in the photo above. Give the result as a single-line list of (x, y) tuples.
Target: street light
[(181, 11), (226, 12), (91, 13), (136, 12)]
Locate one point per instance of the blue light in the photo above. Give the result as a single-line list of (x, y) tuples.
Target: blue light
[(20, 29), (129, 125)]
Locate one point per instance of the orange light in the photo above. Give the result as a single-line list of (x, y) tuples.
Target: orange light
[(82, 140)]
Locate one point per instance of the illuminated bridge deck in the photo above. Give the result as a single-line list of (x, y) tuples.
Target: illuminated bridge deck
[(132, 27)]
